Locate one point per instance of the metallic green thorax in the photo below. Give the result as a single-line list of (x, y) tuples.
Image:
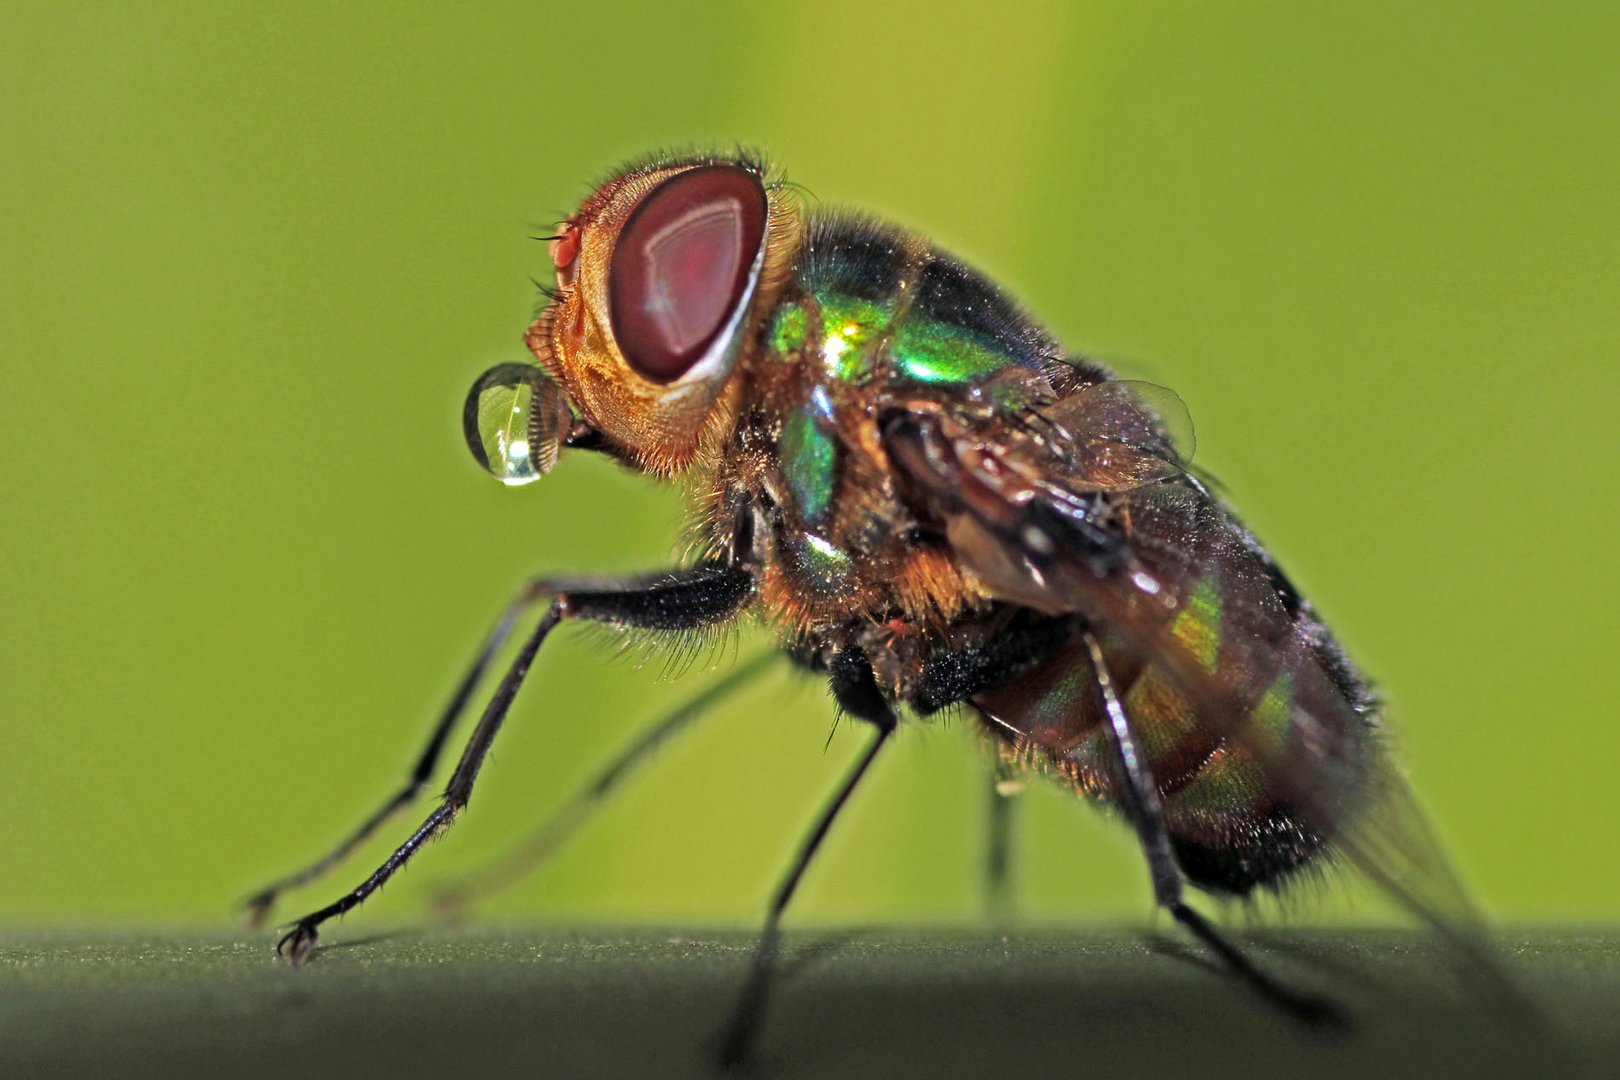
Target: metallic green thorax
[(843, 339), (857, 342), (809, 456), (934, 352)]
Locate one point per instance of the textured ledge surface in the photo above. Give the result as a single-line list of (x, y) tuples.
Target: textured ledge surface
[(603, 1002)]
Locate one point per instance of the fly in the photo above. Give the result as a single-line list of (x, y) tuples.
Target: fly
[(937, 507)]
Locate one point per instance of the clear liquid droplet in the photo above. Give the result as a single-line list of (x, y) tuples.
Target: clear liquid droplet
[(515, 420)]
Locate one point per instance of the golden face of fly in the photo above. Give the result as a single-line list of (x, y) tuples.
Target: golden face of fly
[(658, 275)]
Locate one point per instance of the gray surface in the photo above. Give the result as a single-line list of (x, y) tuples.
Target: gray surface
[(635, 1003)]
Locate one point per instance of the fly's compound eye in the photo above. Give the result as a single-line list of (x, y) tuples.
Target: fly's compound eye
[(515, 421), (683, 266)]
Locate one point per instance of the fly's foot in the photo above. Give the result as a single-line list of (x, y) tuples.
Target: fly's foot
[(736, 1057), (737, 1044), (1317, 1013), (296, 944), (257, 908), (450, 905)]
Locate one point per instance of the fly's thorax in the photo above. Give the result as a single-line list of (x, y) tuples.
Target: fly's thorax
[(871, 320), (871, 302), (661, 274)]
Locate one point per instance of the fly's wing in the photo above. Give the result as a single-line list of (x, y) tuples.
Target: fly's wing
[(1119, 435), (1106, 524), (1109, 436)]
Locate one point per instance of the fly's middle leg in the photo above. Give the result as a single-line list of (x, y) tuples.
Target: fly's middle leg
[(453, 900)]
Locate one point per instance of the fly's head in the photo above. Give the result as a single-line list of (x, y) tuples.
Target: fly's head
[(660, 276)]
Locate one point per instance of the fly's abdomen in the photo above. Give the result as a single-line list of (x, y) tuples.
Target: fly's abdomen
[(1257, 733), (1230, 830)]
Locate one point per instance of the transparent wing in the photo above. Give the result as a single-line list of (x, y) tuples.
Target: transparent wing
[(1122, 434)]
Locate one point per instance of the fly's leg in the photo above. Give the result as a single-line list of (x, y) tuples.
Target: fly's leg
[(858, 694), (259, 904), (1147, 813), (998, 885), (681, 600), (453, 900), (951, 678)]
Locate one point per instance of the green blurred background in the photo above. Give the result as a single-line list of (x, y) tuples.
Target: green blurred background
[(253, 257)]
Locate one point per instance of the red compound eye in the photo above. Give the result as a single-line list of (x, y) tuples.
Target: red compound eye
[(682, 264)]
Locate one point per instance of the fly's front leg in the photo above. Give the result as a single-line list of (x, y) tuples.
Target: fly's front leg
[(1147, 813), (680, 600), (259, 904)]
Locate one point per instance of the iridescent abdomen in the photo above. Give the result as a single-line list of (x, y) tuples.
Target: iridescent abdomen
[(1230, 821)]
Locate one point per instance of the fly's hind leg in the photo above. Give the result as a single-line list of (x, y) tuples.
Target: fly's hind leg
[(678, 600), (1147, 813), (1000, 900)]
